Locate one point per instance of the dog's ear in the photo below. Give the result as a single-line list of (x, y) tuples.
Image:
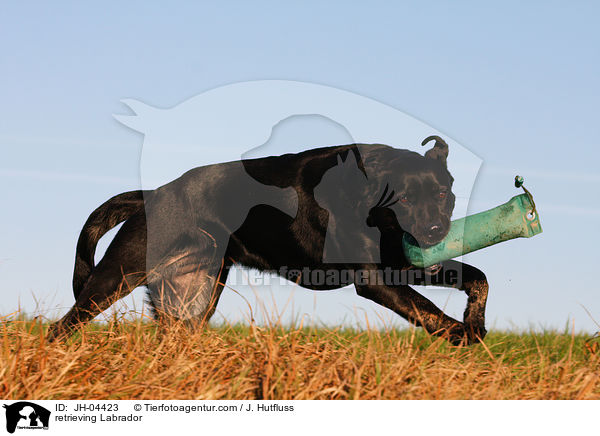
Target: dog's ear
[(439, 150)]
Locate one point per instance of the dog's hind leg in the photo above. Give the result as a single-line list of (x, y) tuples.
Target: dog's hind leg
[(218, 289), (187, 284), (415, 308), (184, 295), (121, 270)]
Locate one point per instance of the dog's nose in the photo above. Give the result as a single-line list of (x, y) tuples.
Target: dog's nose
[(434, 232)]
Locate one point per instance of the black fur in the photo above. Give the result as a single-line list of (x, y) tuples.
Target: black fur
[(341, 208)]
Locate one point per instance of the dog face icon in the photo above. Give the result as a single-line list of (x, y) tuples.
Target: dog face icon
[(26, 414)]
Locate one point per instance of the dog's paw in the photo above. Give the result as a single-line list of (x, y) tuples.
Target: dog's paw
[(466, 333), (456, 335), (475, 331), (57, 332)]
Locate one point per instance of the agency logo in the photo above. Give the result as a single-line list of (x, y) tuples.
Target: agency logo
[(24, 415), (222, 131)]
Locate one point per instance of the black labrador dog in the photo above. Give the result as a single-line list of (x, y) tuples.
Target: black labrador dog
[(324, 218)]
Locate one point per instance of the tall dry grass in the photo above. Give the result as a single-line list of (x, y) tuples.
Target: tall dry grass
[(137, 360)]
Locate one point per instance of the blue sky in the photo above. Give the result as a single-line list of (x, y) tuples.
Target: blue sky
[(517, 84)]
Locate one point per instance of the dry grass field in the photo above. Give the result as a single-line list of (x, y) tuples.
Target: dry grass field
[(136, 360)]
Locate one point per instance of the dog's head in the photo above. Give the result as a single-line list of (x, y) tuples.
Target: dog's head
[(415, 190)]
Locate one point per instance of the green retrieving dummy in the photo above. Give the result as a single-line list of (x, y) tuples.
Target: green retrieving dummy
[(517, 218)]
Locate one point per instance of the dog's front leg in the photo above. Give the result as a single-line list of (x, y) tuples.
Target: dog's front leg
[(475, 285), (466, 278), (415, 308)]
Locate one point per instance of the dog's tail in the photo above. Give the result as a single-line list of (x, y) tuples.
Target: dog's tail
[(108, 215)]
